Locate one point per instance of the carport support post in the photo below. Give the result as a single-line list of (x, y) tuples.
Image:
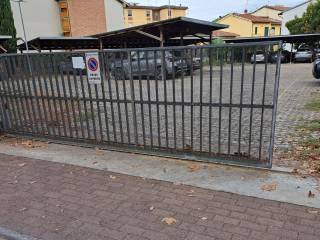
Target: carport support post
[(161, 37), (101, 44), (181, 39), (291, 53)]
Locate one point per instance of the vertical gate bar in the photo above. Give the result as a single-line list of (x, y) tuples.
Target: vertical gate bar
[(149, 98), (76, 90), (210, 100), (182, 100), (231, 100), (133, 104), (10, 96), (108, 79), (36, 95), (241, 100), (66, 102), (45, 70), (16, 88), (118, 98), (191, 98), (174, 100), (21, 95), (201, 97), (103, 86), (28, 94), (124, 86), (252, 98), (141, 100), (4, 99), (55, 106), (157, 95), (221, 57), (56, 78), (83, 93), (164, 79), (13, 95), (93, 114), (275, 103), (72, 103), (263, 103), (97, 100), (40, 70)]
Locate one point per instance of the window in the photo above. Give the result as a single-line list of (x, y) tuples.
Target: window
[(148, 13), (129, 13), (266, 31), (256, 30), (273, 31)]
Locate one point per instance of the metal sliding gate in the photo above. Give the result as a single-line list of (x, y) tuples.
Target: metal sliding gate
[(212, 103)]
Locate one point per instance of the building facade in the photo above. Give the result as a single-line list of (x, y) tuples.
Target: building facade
[(270, 11), (138, 15), (41, 17), (248, 25), (83, 17), (290, 14)]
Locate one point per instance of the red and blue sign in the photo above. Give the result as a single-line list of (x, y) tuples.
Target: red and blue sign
[(93, 64)]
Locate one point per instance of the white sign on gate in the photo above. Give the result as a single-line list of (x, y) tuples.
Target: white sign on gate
[(93, 68)]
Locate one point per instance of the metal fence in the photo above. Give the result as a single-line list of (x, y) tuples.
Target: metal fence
[(213, 103)]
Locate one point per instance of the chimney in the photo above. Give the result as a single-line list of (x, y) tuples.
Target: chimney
[(246, 11)]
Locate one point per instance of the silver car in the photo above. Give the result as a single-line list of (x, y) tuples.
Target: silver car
[(304, 55), (259, 57)]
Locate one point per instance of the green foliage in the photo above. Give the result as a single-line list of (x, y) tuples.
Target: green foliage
[(308, 23), (7, 25)]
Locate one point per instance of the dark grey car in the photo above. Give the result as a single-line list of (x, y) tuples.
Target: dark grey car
[(150, 65)]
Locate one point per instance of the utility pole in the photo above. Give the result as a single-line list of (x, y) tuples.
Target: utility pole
[(169, 9), (23, 26)]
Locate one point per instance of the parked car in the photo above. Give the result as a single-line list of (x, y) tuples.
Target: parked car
[(316, 68), (285, 57), (304, 54), (259, 57), (151, 65)]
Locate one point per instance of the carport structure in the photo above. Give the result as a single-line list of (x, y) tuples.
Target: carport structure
[(172, 32), (3, 39), (290, 39), (60, 43)]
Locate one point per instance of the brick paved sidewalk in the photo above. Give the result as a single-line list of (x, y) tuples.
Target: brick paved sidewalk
[(55, 201)]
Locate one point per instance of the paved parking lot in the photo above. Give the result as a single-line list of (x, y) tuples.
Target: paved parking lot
[(297, 87)]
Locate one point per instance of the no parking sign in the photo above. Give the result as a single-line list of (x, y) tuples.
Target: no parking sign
[(93, 68)]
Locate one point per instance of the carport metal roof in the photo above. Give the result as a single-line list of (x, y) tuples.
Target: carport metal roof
[(163, 33), (3, 39), (298, 38), (61, 43)]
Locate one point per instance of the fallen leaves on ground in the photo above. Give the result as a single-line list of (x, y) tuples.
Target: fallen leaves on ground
[(194, 167), (21, 164), (99, 151), (169, 220), (151, 208), (311, 194), (204, 218), (269, 187), (112, 177)]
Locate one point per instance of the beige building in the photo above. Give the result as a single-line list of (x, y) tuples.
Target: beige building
[(137, 15), (248, 25), (270, 11)]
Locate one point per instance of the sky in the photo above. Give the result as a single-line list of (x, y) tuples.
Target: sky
[(211, 9)]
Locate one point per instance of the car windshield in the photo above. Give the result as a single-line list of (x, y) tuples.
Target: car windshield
[(303, 50), (142, 55)]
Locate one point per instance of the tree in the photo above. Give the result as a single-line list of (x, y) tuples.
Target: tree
[(7, 25), (308, 23)]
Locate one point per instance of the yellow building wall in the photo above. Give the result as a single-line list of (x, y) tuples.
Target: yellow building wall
[(267, 12), (237, 25), (261, 29), (139, 16), (174, 13)]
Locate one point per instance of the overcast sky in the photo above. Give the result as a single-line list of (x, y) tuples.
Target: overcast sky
[(211, 9)]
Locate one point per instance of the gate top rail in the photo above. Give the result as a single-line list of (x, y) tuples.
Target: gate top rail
[(225, 45)]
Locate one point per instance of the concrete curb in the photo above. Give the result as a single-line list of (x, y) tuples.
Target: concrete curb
[(12, 235)]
